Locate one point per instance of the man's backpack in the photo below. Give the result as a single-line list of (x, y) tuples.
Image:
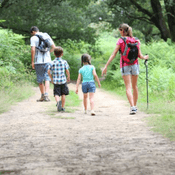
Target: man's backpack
[(44, 42), (130, 53)]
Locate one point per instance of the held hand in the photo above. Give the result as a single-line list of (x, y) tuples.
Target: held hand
[(104, 71), (99, 85)]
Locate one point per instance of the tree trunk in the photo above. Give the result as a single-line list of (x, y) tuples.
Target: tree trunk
[(159, 20), (170, 9)]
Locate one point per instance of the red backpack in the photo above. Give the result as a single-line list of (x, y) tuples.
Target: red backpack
[(131, 50)]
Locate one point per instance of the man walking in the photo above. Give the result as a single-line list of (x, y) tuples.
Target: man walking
[(40, 60)]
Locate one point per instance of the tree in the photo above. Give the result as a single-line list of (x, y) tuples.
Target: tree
[(147, 13), (62, 19), (170, 11)]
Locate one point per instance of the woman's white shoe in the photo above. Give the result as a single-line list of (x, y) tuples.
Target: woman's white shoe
[(92, 112)]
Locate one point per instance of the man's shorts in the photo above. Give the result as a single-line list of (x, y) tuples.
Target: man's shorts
[(41, 72), (60, 89), (88, 87), (130, 70)]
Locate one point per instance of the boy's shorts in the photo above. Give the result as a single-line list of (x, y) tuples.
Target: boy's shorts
[(60, 89), (130, 70), (88, 87), (41, 72)]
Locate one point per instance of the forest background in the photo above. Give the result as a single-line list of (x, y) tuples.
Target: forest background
[(91, 26)]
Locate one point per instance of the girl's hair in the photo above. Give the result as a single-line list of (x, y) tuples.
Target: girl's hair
[(58, 51), (85, 58), (127, 29)]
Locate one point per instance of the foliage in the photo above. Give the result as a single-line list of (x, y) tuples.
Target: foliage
[(161, 81), (12, 94), (151, 17), (12, 54), (73, 51), (161, 70), (62, 19)]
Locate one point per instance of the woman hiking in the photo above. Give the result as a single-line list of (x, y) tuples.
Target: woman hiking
[(129, 70)]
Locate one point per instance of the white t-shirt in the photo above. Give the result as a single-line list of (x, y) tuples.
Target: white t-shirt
[(40, 57)]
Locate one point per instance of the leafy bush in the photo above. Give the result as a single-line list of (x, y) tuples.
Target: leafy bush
[(161, 68), (12, 59), (72, 54)]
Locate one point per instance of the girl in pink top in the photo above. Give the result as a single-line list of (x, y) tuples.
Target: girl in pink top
[(129, 72)]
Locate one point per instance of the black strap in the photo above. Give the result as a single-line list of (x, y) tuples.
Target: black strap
[(40, 39), (126, 47)]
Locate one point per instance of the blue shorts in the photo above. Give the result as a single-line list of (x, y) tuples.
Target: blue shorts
[(88, 87), (41, 72), (130, 70)]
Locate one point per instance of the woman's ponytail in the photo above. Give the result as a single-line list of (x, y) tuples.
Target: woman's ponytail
[(127, 29), (129, 32)]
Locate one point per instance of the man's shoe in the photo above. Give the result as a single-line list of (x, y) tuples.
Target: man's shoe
[(41, 99)]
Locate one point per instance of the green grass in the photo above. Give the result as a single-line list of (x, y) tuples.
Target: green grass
[(163, 124), (162, 117), (162, 111), (14, 94), (72, 101), (63, 117)]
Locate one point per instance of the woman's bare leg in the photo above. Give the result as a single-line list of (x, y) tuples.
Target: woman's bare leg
[(135, 89), (127, 81)]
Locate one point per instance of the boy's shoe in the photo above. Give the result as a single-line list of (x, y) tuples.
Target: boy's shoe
[(92, 112), (62, 109), (41, 99), (133, 110), (59, 106), (46, 98)]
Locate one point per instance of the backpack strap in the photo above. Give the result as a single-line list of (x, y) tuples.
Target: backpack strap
[(39, 39), (126, 45), (124, 53)]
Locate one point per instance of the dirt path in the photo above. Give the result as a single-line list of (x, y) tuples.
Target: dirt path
[(110, 143)]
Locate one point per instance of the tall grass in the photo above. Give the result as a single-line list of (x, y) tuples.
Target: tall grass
[(13, 95), (161, 75), (15, 75)]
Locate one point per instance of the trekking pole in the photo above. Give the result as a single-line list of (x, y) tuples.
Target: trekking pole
[(146, 65)]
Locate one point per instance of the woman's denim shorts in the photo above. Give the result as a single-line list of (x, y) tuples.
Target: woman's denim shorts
[(130, 70), (88, 87), (41, 72)]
